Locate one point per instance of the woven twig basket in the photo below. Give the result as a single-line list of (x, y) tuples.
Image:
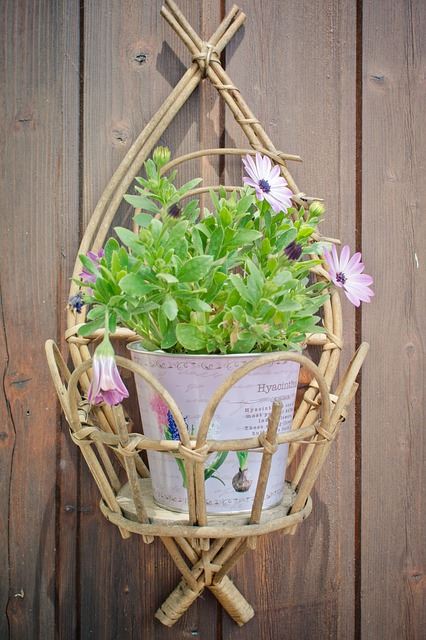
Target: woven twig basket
[(204, 548)]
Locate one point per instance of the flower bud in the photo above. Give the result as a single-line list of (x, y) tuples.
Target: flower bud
[(174, 211), (317, 208), (293, 251), (161, 156), (106, 384)]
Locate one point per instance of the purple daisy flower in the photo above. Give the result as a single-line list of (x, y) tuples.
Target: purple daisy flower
[(267, 182), (95, 258), (106, 385), (346, 272)]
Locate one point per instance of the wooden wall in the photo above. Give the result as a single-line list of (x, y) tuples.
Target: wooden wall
[(341, 83)]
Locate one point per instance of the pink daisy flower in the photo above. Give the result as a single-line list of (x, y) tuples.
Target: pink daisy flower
[(346, 272), (267, 182)]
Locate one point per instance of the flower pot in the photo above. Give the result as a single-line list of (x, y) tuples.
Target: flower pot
[(230, 478)]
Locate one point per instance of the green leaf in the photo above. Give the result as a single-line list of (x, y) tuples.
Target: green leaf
[(198, 305), (285, 238), (134, 285), (196, 241), (96, 312), (141, 202), (188, 186), (238, 312), (169, 338), (191, 210), (203, 228), (214, 199), (240, 287), (282, 277), (245, 236), (112, 322), (216, 241), (177, 233), (142, 219), (190, 337), (167, 277), (90, 327), (115, 263), (127, 237), (245, 343), (151, 169), (110, 247), (289, 305), (88, 264), (305, 232), (195, 269), (170, 308), (225, 217), (245, 203)]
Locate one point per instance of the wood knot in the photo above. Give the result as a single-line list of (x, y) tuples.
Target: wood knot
[(141, 58), (121, 134), (138, 54)]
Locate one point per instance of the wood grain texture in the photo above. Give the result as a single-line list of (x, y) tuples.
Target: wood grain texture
[(39, 190), (303, 91), (393, 557), (64, 571), (67, 240), (132, 60)]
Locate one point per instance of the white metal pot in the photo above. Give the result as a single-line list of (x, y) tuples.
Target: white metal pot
[(243, 412)]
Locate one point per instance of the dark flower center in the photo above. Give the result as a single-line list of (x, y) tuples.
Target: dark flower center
[(264, 185), (340, 277)]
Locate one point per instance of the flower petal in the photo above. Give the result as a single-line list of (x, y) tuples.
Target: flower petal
[(330, 264), (360, 278), (344, 257), (251, 168), (250, 182), (352, 298), (335, 258)]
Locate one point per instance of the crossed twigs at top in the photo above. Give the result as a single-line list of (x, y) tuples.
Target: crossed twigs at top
[(206, 54)]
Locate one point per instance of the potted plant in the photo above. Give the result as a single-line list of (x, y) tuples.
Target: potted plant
[(205, 294)]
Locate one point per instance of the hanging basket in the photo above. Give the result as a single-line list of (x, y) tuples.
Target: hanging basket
[(203, 547)]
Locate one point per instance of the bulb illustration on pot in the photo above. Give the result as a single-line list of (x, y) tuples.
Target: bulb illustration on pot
[(242, 481)]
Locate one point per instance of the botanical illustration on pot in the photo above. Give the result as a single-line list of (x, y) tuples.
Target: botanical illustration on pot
[(230, 477)]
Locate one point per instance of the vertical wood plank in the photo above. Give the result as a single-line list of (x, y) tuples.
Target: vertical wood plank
[(393, 592), (68, 241), (132, 60), (38, 189), (295, 66)]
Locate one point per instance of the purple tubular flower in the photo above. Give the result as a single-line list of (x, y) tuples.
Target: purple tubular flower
[(293, 251), (106, 385), (346, 272), (95, 258), (267, 182)]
